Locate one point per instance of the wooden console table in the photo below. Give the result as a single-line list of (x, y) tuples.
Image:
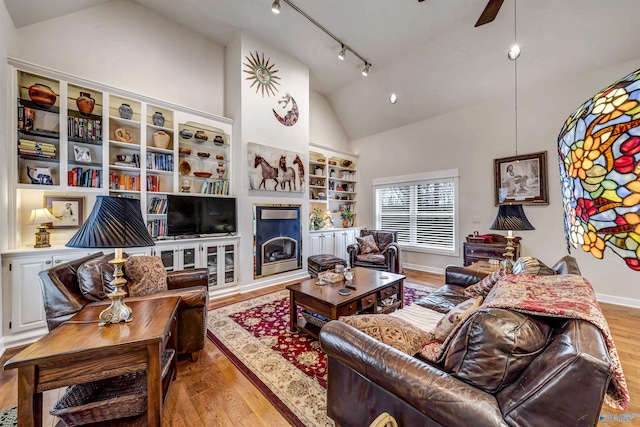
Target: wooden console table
[(78, 351), (478, 251)]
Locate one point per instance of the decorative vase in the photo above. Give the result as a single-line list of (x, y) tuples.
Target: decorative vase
[(345, 223), (85, 103), (126, 112), (200, 135), (161, 139), (186, 134), (42, 94), (218, 140), (158, 118)]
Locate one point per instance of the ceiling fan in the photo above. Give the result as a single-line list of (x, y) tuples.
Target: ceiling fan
[(489, 13)]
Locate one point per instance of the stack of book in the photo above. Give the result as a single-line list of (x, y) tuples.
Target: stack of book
[(157, 205), (220, 187), (153, 183), (27, 147), (124, 182), (92, 178), (84, 129), (157, 228)]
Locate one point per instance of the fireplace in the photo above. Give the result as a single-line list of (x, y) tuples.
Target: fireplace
[(277, 239)]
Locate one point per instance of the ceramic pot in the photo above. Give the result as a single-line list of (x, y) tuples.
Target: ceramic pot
[(85, 103), (218, 140), (158, 118), (201, 136), (40, 176), (220, 172), (125, 111), (29, 118), (42, 94), (186, 134), (161, 139)]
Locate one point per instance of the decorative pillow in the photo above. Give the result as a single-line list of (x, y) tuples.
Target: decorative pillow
[(483, 287), (531, 265), (494, 346), (455, 315), (145, 275), (367, 244), (397, 333), (95, 276)]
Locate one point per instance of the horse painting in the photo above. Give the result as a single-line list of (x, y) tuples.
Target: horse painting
[(288, 174), (298, 162), (268, 172)]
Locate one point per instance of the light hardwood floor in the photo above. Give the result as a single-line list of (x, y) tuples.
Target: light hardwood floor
[(213, 392)]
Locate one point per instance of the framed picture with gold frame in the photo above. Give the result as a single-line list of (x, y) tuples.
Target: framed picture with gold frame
[(521, 179), (68, 210)]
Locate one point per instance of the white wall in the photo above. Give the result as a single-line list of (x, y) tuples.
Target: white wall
[(325, 128), (258, 125), (127, 46), (469, 140)]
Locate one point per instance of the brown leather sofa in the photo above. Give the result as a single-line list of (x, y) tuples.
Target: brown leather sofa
[(63, 298), (387, 258), (563, 385)]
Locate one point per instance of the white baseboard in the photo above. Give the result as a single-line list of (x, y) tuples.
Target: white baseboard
[(2, 347), (612, 299), (275, 280), (423, 268), (24, 338)]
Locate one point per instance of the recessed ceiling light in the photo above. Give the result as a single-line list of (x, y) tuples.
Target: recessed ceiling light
[(514, 52), (393, 98)]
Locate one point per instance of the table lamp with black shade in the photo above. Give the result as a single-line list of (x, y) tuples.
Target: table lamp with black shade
[(510, 218), (115, 222)]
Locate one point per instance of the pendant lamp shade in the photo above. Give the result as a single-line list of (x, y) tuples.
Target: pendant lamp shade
[(511, 217), (115, 222)]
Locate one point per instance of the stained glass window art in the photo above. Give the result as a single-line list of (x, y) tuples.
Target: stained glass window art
[(599, 158)]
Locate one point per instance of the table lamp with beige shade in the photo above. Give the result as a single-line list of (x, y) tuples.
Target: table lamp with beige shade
[(41, 217)]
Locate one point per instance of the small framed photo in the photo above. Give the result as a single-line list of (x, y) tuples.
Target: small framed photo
[(68, 210), (82, 154), (521, 179)]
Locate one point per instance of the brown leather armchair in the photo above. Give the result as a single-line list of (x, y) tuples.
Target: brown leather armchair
[(387, 257), (63, 298)]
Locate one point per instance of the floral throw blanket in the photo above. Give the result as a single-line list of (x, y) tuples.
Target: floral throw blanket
[(566, 296)]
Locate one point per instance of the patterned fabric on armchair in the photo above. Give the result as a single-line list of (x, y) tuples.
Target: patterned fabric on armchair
[(380, 251)]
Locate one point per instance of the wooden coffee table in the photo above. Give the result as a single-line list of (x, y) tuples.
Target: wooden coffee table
[(325, 300), (79, 351)]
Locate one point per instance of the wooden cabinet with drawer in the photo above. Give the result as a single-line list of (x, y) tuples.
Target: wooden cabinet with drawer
[(474, 252)]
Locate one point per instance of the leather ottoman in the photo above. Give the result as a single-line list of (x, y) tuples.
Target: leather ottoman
[(323, 262)]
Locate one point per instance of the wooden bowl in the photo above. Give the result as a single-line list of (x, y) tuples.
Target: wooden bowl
[(185, 151), (184, 167), (203, 174), (204, 155)]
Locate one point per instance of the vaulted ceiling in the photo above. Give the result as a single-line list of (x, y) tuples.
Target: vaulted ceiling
[(429, 53)]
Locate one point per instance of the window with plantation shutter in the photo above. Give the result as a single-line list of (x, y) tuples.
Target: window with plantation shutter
[(421, 208)]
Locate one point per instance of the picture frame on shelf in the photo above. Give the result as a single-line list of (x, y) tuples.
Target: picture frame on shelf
[(82, 154), (68, 210), (521, 179)]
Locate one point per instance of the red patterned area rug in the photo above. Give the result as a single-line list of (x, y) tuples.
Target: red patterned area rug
[(289, 368)]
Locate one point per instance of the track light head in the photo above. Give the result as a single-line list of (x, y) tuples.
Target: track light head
[(343, 52), (275, 7), (365, 70), (514, 52)]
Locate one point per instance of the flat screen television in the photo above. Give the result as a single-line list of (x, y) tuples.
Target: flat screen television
[(198, 215)]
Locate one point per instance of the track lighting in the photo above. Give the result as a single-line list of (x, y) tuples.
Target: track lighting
[(393, 98), (275, 7), (343, 52)]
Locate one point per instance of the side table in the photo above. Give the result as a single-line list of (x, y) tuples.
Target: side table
[(78, 351)]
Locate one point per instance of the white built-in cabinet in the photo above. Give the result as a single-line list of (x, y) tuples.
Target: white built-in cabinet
[(56, 149), (334, 241), (23, 308), (218, 255)]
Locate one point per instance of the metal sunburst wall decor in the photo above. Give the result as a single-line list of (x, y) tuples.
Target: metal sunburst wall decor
[(262, 73)]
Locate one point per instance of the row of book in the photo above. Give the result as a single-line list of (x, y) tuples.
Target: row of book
[(160, 162), (82, 128), (90, 178), (220, 187), (28, 147), (157, 205), (124, 182), (157, 228), (153, 183)]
